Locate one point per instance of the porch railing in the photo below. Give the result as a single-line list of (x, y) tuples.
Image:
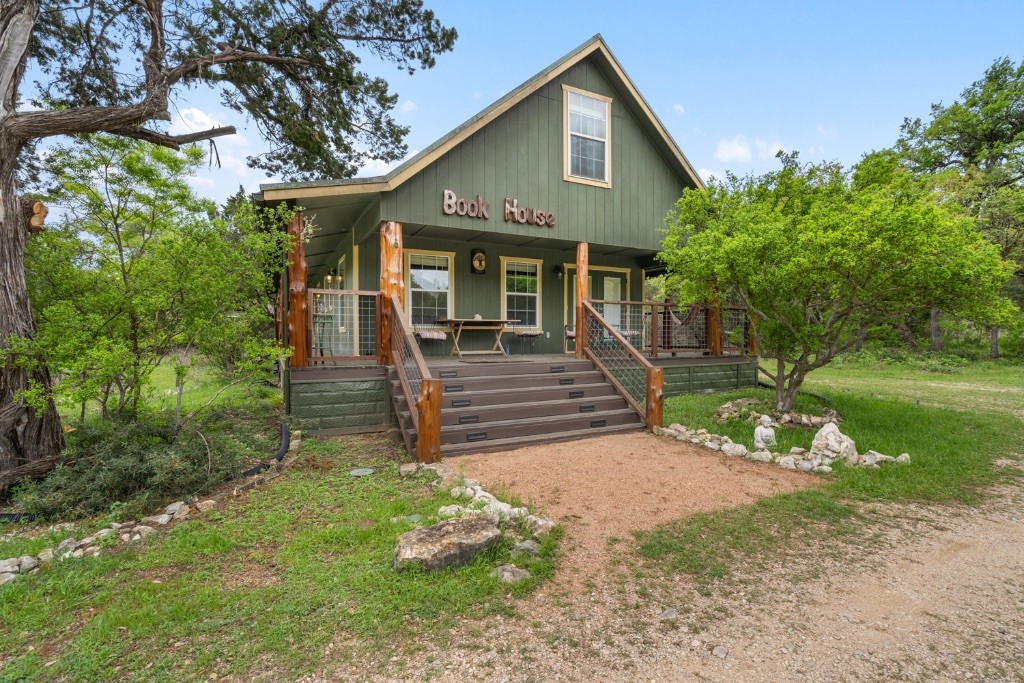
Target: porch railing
[(342, 325), (635, 378), (654, 328), (422, 392)]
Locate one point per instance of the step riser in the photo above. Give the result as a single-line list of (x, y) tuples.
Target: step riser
[(464, 385), (491, 414), (504, 430), (519, 411), (478, 399), (463, 370)]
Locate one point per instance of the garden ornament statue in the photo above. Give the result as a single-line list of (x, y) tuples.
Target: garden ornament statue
[(764, 435)]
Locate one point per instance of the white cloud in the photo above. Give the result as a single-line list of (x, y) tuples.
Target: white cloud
[(707, 174), (409, 106), (768, 150), (376, 167), (825, 131), (737, 149), (680, 109)]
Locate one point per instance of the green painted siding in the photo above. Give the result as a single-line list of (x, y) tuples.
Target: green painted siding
[(520, 155), (482, 293), (717, 377), (348, 405)]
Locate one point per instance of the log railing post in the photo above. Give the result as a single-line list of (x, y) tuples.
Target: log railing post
[(655, 397), (752, 333), (428, 432), (582, 266), (392, 283), (298, 301)]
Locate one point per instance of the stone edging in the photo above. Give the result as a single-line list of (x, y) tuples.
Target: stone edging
[(135, 532), (819, 460)]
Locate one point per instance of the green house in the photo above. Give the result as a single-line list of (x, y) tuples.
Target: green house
[(490, 240)]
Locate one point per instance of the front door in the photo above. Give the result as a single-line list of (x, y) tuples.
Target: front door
[(607, 285)]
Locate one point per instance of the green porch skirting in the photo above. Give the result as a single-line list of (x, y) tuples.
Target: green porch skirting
[(342, 406), (729, 374)]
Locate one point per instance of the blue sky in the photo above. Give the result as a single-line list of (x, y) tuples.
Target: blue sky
[(733, 82)]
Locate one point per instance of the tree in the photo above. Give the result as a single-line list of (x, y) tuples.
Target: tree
[(119, 66), (977, 142), (141, 272), (820, 256)]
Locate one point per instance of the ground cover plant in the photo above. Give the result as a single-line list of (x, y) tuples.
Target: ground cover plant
[(269, 582), (953, 443)]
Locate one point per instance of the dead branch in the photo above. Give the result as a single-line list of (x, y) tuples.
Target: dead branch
[(31, 470), (35, 213)]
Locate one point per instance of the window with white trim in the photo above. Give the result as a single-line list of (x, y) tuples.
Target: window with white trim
[(588, 131), (522, 292), (428, 283)]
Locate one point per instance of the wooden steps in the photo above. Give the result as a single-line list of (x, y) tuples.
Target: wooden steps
[(500, 406)]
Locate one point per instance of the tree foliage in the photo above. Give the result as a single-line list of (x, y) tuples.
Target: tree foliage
[(820, 255), (140, 272), (976, 147)]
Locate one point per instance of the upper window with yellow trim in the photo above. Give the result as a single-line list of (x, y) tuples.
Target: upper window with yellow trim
[(588, 132)]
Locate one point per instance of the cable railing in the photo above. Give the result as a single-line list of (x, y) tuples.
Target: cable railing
[(632, 375), (665, 328), (342, 325), (422, 392)]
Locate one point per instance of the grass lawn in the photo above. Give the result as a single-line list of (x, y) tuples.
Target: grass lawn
[(266, 583), (953, 425)]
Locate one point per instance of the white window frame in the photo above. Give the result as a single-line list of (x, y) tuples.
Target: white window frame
[(505, 260), (566, 139), (407, 257)]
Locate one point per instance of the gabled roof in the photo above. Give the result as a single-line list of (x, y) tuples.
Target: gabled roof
[(595, 47)]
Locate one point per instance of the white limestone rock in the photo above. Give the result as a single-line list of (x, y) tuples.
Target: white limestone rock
[(539, 526), (829, 442), (453, 542), (903, 458), (787, 463)]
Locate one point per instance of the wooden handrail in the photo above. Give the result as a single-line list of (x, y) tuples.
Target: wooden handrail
[(425, 408)]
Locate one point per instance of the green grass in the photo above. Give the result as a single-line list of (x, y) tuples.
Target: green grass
[(263, 584), (952, 440)]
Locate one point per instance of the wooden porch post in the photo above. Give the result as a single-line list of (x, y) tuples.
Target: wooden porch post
[(654, 328), (298, 299), (391, 284), (655, 397), (582, 264), (428, 434)]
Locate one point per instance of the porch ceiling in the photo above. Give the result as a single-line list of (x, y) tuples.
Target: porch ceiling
[(332, 218)]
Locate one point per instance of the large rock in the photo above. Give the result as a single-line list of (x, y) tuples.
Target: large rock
[(830, 444), (451, 543)]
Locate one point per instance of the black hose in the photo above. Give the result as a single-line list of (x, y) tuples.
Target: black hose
[(13, 517), (264, 466)]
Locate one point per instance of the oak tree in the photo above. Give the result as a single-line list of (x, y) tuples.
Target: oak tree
[(122, 66), (821, 255)]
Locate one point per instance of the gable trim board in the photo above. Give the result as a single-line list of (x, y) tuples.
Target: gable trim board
[(593, 47)]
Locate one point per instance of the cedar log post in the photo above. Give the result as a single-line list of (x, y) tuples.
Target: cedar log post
[(655, 397), (428, 433), (391, 284), (582, 265), (298, 299)]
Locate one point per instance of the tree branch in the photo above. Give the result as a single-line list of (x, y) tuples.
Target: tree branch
[(173, 141)]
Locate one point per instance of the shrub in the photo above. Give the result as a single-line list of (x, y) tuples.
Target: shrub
[(129, 468)]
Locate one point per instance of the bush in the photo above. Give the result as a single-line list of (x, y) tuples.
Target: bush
[(128, 469), (945, 363)]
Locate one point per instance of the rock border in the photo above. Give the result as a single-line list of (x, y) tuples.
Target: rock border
[(124, 533), (740, 409), (479, 501), (818, 460)]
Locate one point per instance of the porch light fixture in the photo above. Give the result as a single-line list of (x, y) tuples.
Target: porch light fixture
[(559, 271)]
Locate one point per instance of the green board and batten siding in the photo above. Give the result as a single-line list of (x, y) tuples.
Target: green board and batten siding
[(520, 155), (732, 373), (341, 406)]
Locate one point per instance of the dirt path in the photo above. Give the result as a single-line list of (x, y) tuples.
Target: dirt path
[(603, 489), (935, 594)]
